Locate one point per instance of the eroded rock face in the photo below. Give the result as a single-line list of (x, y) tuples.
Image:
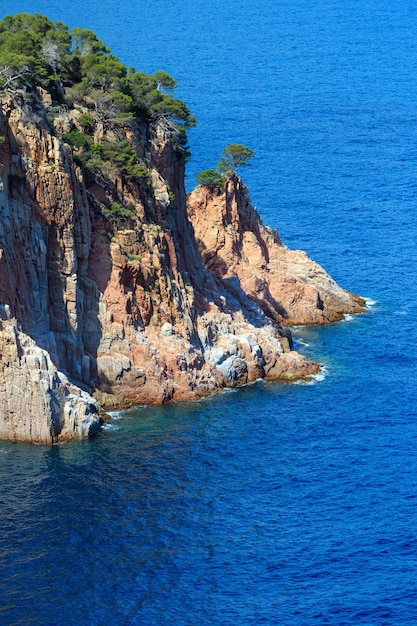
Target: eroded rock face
[(37, 402), (288, 286), (122, 306)]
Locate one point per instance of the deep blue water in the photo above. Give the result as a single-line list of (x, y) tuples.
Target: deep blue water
[(290, 504)]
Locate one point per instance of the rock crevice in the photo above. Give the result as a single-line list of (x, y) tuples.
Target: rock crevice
[(125, 306), (234, 244)]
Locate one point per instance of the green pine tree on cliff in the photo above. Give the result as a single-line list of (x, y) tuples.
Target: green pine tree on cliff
[(234, 156), (76, 67)]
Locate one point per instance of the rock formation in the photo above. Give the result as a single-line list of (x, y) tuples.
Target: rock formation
[(117, 304), (37, 402), (288, 286)]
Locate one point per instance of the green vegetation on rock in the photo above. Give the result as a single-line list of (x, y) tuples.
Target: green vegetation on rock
[(117, 211), (210, 178), (76, 67), (77, 139), (107, 156), (234, 156), (90, 99)]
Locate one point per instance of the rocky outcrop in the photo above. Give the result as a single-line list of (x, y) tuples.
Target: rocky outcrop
[(233, 242), (118, 305), (37, 402)]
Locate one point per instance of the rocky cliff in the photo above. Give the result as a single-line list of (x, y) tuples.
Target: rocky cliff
[(103, 289), (233, 242)]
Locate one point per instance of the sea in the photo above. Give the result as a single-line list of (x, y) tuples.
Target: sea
[(275, 504)]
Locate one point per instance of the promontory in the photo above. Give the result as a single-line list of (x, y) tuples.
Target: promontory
[(115, 287)]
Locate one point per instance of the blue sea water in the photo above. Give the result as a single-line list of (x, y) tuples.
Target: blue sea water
[(292, 504)]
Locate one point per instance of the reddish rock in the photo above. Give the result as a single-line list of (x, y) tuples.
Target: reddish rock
[(122, 307), (288, 286)]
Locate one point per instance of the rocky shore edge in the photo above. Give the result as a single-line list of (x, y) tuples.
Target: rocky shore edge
[(172, 299)]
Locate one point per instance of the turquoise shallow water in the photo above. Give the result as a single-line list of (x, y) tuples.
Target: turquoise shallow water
[(275, 504)]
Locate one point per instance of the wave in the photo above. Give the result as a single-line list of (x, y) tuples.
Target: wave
[(110, 426), (404, 311), (313, 379), (116, 415), (300, 343), (348, 317), (370, 304)]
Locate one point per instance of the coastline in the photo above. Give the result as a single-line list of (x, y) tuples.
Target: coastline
[(118, 289)]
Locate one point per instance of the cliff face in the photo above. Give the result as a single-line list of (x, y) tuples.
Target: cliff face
[(120, 305), (38, 402), (288, 286)]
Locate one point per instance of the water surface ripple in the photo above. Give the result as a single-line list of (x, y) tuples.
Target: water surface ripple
[(276, 504)]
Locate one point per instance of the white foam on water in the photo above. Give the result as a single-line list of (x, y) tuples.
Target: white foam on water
[(115, 415), (313, 379), (300, 342), (348, 317), (404, 311), (296, 329), (110, 426)]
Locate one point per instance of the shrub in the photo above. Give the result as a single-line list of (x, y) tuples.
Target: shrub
[(210, 178), (124, 157), (233, 156), (77, 139), (86, 121), (117, 211)]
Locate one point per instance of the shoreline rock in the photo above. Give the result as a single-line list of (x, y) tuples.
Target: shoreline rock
[(31, 386), (289, 287), (121, 306)]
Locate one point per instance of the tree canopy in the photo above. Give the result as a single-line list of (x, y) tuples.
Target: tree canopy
[(210, 178), (75, 66), (234, 156)]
